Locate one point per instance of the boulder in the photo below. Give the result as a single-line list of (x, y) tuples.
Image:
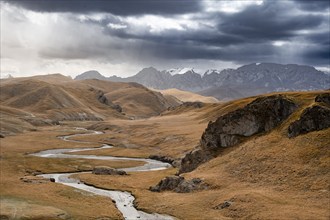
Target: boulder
[(168, 183), (187, 186), (179, 184), (314, 118), (103, 170), (261, 115)]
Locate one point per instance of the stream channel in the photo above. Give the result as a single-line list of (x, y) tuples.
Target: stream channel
[(124, 200)]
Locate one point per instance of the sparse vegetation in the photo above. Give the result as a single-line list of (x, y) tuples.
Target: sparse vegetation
[(268, 175)]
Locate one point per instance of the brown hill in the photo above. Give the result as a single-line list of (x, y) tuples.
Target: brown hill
[(56, 98), (55, 78)]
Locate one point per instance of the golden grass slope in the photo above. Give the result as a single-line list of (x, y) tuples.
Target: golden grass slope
[(186, 96), (57, 97), (270, 176)]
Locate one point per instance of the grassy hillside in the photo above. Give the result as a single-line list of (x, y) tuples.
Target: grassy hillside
[(268, 176), (59, 98), (186, 96)]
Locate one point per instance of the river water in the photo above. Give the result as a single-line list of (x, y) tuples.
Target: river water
[(124, 200)]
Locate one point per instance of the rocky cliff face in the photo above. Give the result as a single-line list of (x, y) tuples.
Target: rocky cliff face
[(314, 118), (261, 115)]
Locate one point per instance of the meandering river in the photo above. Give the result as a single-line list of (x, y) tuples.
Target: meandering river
[(124, 200)]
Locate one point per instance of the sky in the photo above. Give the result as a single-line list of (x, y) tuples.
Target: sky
[(120, 37)]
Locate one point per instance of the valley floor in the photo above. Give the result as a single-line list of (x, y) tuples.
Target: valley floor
[(267, 177)]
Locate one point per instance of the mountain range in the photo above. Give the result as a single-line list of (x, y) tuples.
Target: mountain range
[(228, 84)]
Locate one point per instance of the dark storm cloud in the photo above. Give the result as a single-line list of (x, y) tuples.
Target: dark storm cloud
[(117, 7), (243, 36), (319, 38), (271, 21), (248, 53), (317, 55), (188, 37), (313, 5), (248, 35)]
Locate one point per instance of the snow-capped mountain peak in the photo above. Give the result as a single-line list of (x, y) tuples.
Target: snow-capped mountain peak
[(181, 71), (211, 71)]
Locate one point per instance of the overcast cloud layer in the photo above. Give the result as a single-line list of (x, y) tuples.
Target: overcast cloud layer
[(122, 36)]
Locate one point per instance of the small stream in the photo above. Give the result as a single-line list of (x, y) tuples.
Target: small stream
[(124, 200)]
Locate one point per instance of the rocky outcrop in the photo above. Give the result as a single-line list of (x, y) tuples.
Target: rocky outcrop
[(104, 170), (194, 158), (324, 97), (314, 118), (261, 115), (179, 184), (104, 100), (168, 183), (194, 184)]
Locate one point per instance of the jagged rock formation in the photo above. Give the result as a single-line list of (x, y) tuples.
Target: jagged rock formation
[(179, 184), (104, 100), (314, 118), (261, 115), (104, 170)]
